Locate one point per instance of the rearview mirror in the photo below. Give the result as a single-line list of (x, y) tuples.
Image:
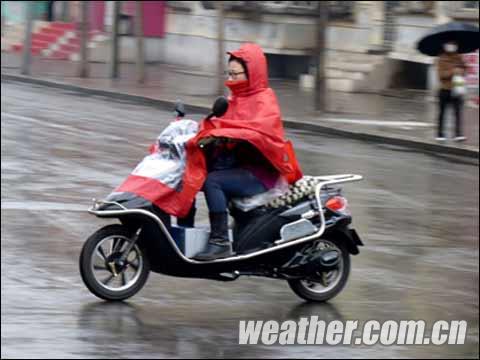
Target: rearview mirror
[(219, 107), (179, 109)]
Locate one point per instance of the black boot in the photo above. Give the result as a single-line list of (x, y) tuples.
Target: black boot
[(219, 245)]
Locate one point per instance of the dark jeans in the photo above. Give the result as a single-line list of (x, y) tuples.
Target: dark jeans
[(223, 185), (445, 98)]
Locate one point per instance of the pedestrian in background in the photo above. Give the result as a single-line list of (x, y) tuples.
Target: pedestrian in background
[(451, 72)]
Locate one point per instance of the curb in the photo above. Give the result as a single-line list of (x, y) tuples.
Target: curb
[(143, 100), (400, 141), (162, 103)]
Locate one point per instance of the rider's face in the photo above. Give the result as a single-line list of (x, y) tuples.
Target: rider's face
[(236, 71)]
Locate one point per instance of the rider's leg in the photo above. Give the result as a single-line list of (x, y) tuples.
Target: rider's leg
[(222, 185), (219, 187)]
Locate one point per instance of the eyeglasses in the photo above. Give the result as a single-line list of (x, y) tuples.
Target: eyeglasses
[(234, 74)]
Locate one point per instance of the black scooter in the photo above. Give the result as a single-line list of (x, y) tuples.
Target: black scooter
[(302, 236)]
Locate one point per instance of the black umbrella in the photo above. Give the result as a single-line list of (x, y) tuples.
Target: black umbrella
[(465, 35)]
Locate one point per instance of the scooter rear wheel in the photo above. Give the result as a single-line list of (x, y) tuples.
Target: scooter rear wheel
[(328, 284), (102, 274)]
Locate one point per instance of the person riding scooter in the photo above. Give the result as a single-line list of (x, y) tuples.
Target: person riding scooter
[(238, 154), (235, 167), (301, 235)]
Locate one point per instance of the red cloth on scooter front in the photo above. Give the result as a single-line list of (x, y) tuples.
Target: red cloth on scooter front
[(253, 115)]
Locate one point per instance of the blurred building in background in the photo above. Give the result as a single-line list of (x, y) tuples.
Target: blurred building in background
[(370, 44)]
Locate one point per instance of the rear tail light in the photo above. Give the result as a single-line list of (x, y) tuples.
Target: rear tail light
[(338, 204)]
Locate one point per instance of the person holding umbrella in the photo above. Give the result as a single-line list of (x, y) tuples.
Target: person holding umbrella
[(448, 41), (451, 69)]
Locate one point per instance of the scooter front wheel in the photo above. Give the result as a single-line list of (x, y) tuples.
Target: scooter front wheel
[(325, 285), (101, 269)]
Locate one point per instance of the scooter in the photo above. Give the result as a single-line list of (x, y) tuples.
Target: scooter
[(302, 235)]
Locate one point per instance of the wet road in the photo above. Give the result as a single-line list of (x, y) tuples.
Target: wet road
[(417, 213)]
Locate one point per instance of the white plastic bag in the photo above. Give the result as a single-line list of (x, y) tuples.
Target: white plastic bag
[(167, 163), (249, 203), (459, 89)]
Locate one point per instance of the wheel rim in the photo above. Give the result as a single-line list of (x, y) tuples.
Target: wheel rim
[(108, 275), (329, 279)]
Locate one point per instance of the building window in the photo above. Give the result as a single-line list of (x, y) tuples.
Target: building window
[(338, 10), (463, 10), (470, 4), (413, 7)]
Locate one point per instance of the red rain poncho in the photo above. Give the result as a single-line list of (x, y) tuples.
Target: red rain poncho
[(253, 115)]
